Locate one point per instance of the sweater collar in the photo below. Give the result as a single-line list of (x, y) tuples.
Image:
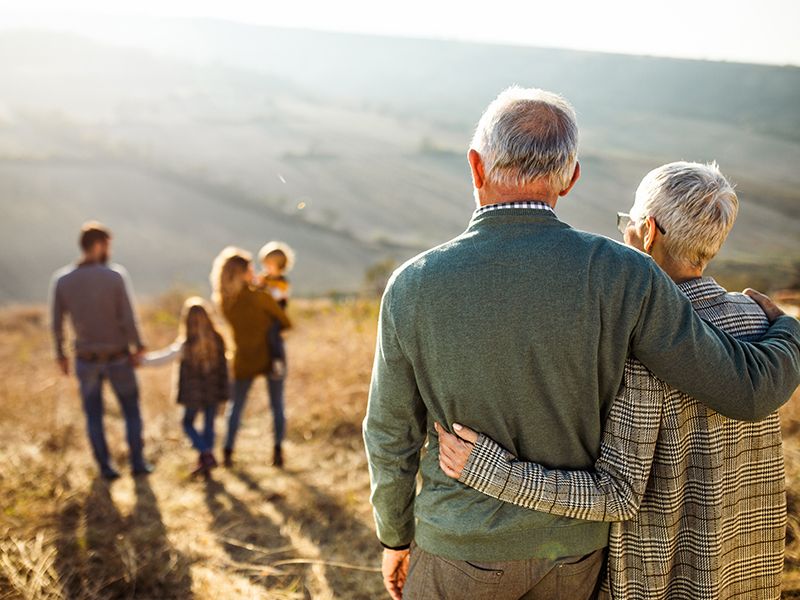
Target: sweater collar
[(702, 288), (524, 211)]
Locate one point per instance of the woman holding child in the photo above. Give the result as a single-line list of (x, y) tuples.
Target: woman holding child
[(251, 314), (277, 259)]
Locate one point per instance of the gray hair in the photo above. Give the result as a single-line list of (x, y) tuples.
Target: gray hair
[(694, 204), (527, 134)]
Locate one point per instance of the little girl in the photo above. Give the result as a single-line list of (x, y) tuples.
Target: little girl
[(202, 376)]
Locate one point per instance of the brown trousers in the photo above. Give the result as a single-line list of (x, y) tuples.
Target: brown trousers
[(432, 577)]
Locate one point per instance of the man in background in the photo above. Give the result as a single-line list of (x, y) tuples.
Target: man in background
[(96, 296)]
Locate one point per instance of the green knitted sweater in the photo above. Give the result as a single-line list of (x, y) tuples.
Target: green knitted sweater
[(520, 328)]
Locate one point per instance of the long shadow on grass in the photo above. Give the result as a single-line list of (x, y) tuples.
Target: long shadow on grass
[(117, 557), (338, 534), (250, 540)]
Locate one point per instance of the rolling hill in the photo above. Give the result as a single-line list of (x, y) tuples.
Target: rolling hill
[(185, 136)]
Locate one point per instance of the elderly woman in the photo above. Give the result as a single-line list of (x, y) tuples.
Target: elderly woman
[(697, 498), (250, 313)]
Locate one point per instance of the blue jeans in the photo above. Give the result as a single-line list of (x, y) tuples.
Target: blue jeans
[(275, 340), (122, 378), (201, 442), (240, 389)]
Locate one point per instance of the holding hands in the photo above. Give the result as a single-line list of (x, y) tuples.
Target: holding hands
[(137, 357)]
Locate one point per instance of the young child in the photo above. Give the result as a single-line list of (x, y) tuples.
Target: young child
[(202, 382), (277, 259)]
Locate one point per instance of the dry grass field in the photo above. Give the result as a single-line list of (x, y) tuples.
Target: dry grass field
[(250, 532)]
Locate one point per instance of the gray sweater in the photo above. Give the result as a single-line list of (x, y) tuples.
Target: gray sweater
[(97, 298), (521, 327)]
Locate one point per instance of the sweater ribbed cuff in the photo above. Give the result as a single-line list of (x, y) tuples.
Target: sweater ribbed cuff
[(403, 547)]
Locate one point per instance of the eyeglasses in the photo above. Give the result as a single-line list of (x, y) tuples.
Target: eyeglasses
[(624, 219)]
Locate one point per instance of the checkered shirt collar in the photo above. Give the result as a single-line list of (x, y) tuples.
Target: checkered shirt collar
[(529, 204), (702, 288)]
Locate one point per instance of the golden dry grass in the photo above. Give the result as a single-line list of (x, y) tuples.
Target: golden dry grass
[(251, 532)]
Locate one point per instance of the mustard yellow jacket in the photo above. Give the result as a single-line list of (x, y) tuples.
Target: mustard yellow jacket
[(251, 314)]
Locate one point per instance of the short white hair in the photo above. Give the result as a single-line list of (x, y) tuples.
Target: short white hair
[(694, 204), (527, 134)]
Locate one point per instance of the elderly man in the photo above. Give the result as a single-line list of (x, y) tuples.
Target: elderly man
[(522, 325), (96, 297), (720, 481)]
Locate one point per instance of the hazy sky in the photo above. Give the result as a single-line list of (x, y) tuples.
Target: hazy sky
[(736, 30)]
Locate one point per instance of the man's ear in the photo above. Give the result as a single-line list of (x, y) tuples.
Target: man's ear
[(576, 174), (476, 166)]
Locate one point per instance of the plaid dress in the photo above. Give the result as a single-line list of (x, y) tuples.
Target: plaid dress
[(697, 500)]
